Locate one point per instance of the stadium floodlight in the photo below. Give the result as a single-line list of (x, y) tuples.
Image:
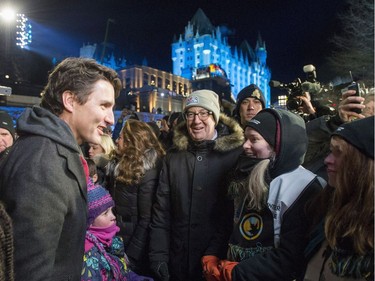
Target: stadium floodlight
[(24, 33), (8, 14)]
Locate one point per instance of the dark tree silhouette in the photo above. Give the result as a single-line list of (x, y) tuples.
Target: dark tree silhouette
[(353, 47)]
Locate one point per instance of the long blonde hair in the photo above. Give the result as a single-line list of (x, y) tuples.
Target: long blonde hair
[(107, 144), (257, 186), (352, 209)]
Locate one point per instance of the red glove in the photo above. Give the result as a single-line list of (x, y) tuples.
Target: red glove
[(226, 268), (210, 268)]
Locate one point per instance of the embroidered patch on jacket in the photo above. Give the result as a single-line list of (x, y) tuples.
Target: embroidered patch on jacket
[(251, 226)]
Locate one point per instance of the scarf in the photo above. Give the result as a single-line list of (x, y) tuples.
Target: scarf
[(101, 238), (103, 235)]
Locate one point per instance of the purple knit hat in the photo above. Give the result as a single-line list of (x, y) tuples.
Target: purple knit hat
[(99, 200)]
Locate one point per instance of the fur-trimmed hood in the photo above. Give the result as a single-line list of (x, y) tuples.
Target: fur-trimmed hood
[(150, 159), (230, 135)]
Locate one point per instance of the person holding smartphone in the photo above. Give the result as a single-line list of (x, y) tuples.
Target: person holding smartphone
[(319, 130)]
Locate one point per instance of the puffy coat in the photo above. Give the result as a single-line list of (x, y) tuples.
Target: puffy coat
[(133, 204), (191, 200)]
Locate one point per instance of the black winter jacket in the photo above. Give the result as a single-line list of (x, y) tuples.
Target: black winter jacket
[(133, 204), (191, 200)]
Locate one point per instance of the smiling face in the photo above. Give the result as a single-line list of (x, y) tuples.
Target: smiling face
[(88, 120), (200, 130), (255, 145)]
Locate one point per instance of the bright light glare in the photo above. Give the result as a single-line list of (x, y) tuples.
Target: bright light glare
[(8, 14), (24, 34)]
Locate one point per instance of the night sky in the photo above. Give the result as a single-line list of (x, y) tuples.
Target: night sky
[(296, 32)]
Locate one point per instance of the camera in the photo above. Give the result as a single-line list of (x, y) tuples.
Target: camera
[(320, 94), (294, 89)]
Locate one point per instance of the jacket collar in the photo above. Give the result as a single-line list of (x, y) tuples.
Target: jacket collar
[(230, 135)]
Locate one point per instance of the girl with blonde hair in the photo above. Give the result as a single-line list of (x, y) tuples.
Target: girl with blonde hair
[(270, 189)]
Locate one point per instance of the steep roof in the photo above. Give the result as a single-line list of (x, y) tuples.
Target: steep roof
[(247, 50), (201, 23)]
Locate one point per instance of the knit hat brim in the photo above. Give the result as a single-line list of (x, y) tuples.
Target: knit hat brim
[(6, 123), (99, 200), (251, 91), (360, 134), (266, 124), (206, 99)]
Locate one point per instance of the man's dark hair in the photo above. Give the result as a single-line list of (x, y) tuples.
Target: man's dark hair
[(77, 75)]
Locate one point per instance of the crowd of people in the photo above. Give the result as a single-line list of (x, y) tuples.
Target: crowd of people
[(259, 194)]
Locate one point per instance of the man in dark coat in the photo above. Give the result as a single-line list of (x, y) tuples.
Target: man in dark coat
[(43, 179), (191, 197)]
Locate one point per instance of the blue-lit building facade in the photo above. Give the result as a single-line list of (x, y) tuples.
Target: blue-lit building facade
[(203, 44)]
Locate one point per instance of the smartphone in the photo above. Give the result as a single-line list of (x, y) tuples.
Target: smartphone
[(355, 87)]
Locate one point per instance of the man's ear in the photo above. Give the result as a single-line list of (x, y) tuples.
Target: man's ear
[(68, 99)]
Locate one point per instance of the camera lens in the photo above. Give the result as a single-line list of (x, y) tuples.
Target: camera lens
[(293, 103)]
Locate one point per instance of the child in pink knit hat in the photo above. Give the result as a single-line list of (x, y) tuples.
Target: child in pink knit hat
[(104, 257)]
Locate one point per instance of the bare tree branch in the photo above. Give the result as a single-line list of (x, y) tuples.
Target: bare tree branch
[(353, 47)]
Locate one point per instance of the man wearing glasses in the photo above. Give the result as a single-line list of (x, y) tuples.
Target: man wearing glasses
[(191, 196)]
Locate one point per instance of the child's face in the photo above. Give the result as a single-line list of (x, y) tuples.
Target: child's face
[(105, 219)]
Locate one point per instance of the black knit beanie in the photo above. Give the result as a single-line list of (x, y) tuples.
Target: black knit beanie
[(6, 122), (359, 133), (265, 123), (251, 91)]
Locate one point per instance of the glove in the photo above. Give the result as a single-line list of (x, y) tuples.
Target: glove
[(160, 269), (226, 268), (210, 268)]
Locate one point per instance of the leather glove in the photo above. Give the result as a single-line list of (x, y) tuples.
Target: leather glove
[(160, 269), (210, 268), (226, 268)]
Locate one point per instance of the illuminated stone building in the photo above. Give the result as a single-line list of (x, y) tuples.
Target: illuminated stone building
[(203, 44), (200, 48), (153, 90)]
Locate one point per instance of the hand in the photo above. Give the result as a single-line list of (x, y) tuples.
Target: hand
[(307, 106), (226, 268), (210, 268), (348, 103), (164, 126), (161, 270)]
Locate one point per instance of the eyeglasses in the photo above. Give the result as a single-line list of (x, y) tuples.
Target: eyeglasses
[(202, 115)]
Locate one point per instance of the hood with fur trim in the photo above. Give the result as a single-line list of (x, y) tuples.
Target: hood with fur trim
[(230, 135)]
